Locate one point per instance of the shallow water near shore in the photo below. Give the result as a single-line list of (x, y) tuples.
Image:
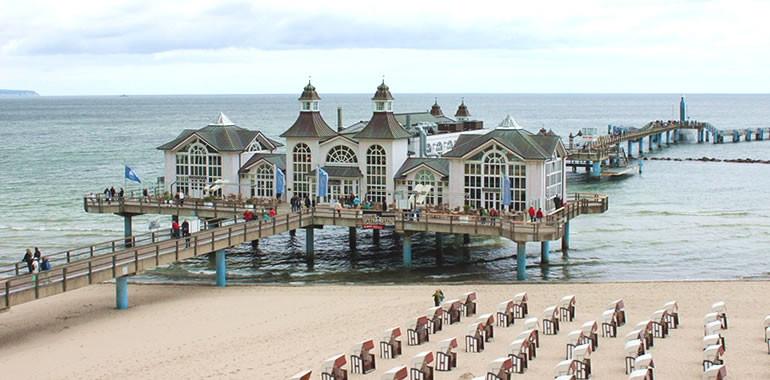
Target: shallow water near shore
[(678, 220)]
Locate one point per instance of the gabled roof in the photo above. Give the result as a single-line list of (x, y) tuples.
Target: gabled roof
[(341, 171), (343, 136), (355, 128), (383, 125), (277, 159), (438, 165), (266, 141), (309, 124), (509, 122), (222, 135), (521, 142)]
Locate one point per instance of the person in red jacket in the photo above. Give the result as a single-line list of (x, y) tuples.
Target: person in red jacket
[(247, 215), (272, 214), (175, 229), (539, 214), (531, 213)]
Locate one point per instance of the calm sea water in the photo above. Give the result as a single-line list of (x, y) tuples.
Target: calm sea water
[(679, 220)]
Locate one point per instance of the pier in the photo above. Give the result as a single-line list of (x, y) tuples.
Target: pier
[(133, 254)]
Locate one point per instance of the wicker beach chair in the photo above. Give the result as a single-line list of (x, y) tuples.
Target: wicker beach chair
[(395, 373), (302, 375), (390, 347), (645, 363), (565, 368), (550, 321), (632, 349), (469, 303), (520, 309), (489, 325), (420, 368), (332, 368), (361, 361), (721, 310), (617, 308), (533, 340), (500, 369), (609, 324), (589, 333), (574, 339), (474, 338), (673, 314), (505, 313), (567, 308), (435, 319), (452, 311), (446, 358), (659, 323), (518, 351), (717, 372), (417, 331), (646, 327), (712, 356), (582, 356)]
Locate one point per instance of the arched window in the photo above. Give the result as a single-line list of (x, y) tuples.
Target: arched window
[(196, 167), (255, 146), (484, 175), (262, 181), (427, 178), (302, 166), (376, 174), (341, 154)]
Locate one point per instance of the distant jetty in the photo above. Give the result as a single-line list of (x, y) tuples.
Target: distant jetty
[(10, 93)]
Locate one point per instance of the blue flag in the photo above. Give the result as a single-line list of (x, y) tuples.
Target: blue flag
[(322, 183), (506, 191), (280, 180), (130, 174)]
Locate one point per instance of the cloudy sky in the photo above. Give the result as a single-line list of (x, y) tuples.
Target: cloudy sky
[(249, 47)]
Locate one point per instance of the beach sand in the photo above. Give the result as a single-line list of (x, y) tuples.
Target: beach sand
[(272, 332)]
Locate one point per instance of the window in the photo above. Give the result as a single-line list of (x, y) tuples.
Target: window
[(518, 176), (380, 106), (473, 184), (315, 106), (302, 165), (427, 178), (262, 181), (255, 146), (197, 166), (376, 174), (484, 174), (553, 182), (306, 106), (341, 154)]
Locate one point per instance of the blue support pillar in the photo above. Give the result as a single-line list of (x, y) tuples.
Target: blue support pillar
[(220, 259), (121, 292), (706, 133), (407, 251), (649, 142), (760, 135), (521, 261), (545, 250), (748, 135), (596, 170), (630, 148), (641, 147), (565, 240), (309, 242), (668, 137), (376, 236), (127, 230), (736, 138), (659, 140)]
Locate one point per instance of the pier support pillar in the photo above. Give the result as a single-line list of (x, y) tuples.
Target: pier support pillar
[(309, 242), (706, 135), (736, 138), (121, 293), (466, 239), (641, 147), (649, 142), (407, 251), (220, 259), (255, 244), (630, 148), (668, 137), (748, 135), (545, 250), (376, 236), (659, 139), (127, 229), (352, 235), (565, 240), (440, 243), (760, 134), (596, 170), (521, 261)]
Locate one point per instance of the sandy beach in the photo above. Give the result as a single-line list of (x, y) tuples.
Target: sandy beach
[(272, 332)]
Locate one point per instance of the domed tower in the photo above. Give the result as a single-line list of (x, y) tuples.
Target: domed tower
[(462, 113), (435, 109), (303, 143)]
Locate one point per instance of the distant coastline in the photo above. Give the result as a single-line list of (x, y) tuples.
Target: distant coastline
[(10, 93)]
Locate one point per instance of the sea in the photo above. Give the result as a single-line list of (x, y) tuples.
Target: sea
[(678, 220)]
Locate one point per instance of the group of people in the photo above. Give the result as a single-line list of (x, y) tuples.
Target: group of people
[(183, 230), (36, 262), (535, 216), (298, 204), (267, 216), (110, 194)]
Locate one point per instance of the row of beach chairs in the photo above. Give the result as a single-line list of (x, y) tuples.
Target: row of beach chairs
[(639, 364), (714, 343)]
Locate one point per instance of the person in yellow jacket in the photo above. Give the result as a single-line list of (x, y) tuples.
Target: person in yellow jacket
[(438, 297)]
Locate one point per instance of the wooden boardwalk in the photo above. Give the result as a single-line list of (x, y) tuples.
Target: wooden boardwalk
[(80, 267)]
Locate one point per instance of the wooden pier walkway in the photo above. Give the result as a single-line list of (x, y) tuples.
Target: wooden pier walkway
[(131, 255)]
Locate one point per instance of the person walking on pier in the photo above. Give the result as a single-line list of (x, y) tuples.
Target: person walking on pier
[(539, 215), (38, 255), (45, 265), (146, 194), (121, 193), (186, 233), (338, 208), (557, 202), (272, 214), (493, 215), (112, 192), (483, 215), (181, 198), (175, 229), (307, 203), (107, 195), (531, 212), (28, 259)]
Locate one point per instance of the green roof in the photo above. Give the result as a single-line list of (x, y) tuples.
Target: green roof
[(277, 159), (421, 117), (223, 138), (341, 171), (521, 142), (383, 125), (309, 124), (440, 165)]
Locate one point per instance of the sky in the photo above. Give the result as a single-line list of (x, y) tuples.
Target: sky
[(112, 47)]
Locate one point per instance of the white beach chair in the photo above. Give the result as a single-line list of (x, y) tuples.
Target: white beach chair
[(632, 349), (712, 356), (417, 331), (474, 338), (641, 374), (574, 339), (609, 324), (717, 372), (446, 358), (673, 314), (565, 368), (468, 303), (550, 321), (589, 332), (533, 324), (500, 369), (395, 373), (489, 325), (517, 351), (361, 361), (533, 340), (710, 340), (645, 363), (302, 375), (715, 328), (420, 368), (505, 313), (452, 311), (567, 308), (659, 324), (646, 327), (721, 310), (617, 309), (520, 309), (767, 332), (582, 356), (390, 347), (331, 369), (435, 319), (565, 377)]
